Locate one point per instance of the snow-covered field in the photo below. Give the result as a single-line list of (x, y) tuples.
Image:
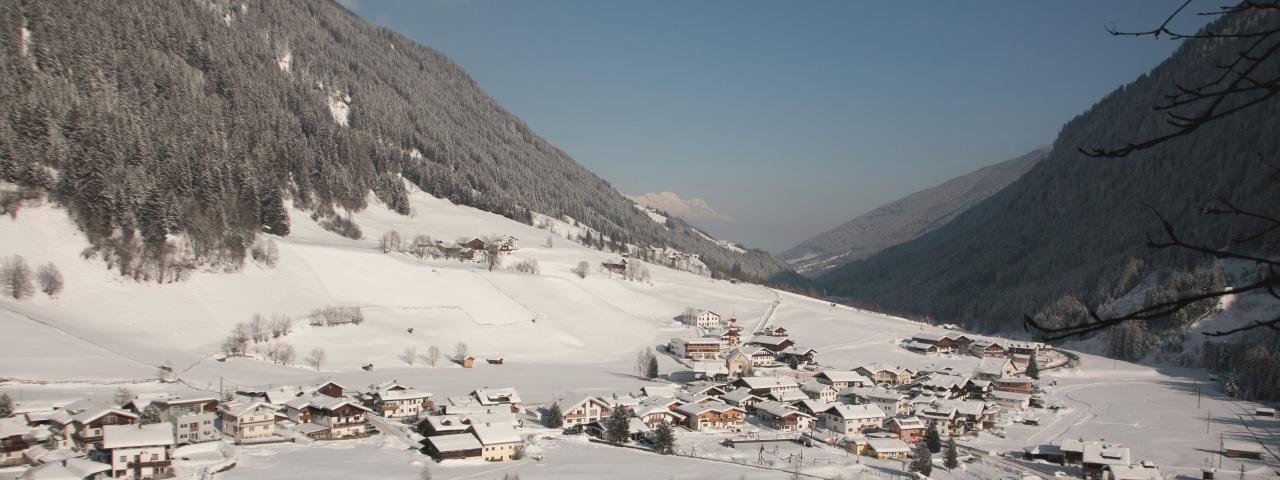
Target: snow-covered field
[(557, 333)]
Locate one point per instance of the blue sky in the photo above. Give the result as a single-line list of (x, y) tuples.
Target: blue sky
[(792, 117)]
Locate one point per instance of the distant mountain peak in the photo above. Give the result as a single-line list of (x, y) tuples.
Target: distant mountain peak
[(691, 209)]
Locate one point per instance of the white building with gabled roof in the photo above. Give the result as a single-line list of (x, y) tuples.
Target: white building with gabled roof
[(138, 451)]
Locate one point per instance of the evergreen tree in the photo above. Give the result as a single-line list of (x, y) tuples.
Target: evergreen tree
[(952, 458), (651, 372), (553, 418), (150, 415), (932, 439), (922, 460), (664, 441), (1033, 370), (6, 405), (617, 428)]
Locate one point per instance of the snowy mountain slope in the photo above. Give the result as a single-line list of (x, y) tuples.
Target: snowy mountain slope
[(906, 218)]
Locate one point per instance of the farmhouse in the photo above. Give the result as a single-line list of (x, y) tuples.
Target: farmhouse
[(819, 391), (775, 331), (332, 418), (657, 414), (921, 347), (696, 348), (1015, 385), (741, 397), (1144, 471), (500, 442), (16, 436), (452, 447), (703, 319), (848, 419), (138, 452), (83, 428), (987, 348), (1010, 400), (890, 401), (442, 425), (497, 396), (1097, 456), (636, 429), (796, 356), (194, 418)]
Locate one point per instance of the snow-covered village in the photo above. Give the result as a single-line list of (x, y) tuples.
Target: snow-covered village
[(288, 240)]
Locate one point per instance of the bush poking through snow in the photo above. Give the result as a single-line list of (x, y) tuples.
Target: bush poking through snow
[(15, 277), (342, 226), (316, 358), (582, 269), (390, 242), (529, 266), (50, 279), (264, 251), (330, 316)]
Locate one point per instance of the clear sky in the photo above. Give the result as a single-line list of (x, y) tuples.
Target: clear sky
[(791, 117)]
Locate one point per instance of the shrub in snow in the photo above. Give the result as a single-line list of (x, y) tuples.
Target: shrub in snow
[(50, 279), (15, 276), (529, 266)]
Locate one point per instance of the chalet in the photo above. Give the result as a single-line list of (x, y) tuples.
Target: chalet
[(945, 385), (656, 414), (15, 436), (1010, 400), (194, 418), (908, 429), (500, 442), (332, 418), (796, 356), (67, 469), (920, 347), (763, 386), (247, 421), (703, 319), (741, 397), (497, 396), (447, 447), (712, 415), (138, 451), (583, 409), (771, 343), (788, 396), (848, 419), (943, 415), (886, 375), (887, 448), (475, 244), (780, 416), (696, 348), (1014, 385), (842, 379), (330, 389), (819, 391), (711, 389), (84, 429), (813, 407), (987, 348), (618, 266), (890, 402), (775, 331), (760, 356), (944, 342), (1098, 456), (401, 402), (710, 370), (1049, 453), (992, 368), (509, 243)]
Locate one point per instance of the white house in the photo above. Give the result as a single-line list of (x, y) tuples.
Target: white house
[(138, 452), (706, 319), (194, 418), (247, 421), (500, 441), (583, 409), (848, 419), (399, 401)]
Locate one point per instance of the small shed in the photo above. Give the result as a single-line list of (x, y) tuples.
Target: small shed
[(467, 361), (1264, 412), (494, 361)]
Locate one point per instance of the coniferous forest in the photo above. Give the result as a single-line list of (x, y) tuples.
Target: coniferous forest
[(175, 132)]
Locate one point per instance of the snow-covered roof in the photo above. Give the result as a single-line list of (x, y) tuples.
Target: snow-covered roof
[(1134, 472), (710, 368), (844, 376), (812, 405), (1011, 396), (856, 411), (445, 423), (778, 409), (739, 395), (492, 434), (695, 409), (455, 443), (495, 396), (915, 345), (788, 396), (797, 351), (658, 390), (874, 393), (908, 422), (767, 340), (403, 394), (128, 436), (814, 386), (993, 366), (1106, 453), (880, 367), (888, 445), (239, 409), (69, 469), (768, 382), (13, 426), (96, 413), (931, 336), (573, 400), (646, 410)]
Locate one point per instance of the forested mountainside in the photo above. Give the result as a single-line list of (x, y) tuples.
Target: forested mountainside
[(197, 120), (1070, 233), (906, 218)]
